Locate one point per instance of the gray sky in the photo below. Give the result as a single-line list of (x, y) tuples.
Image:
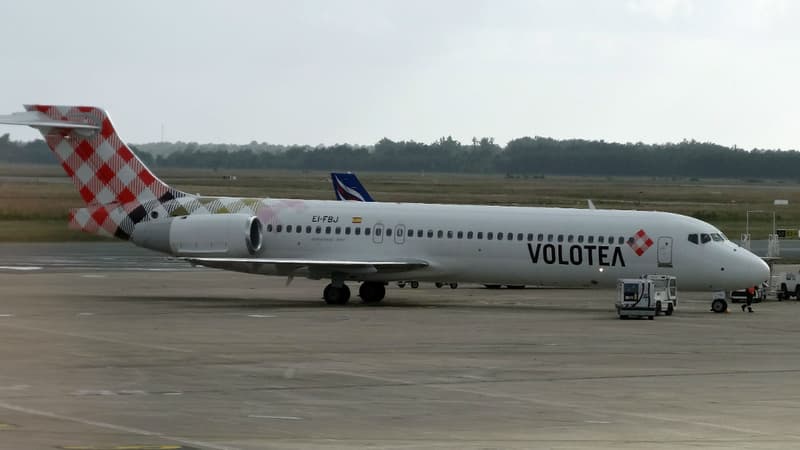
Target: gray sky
[(310, 72)]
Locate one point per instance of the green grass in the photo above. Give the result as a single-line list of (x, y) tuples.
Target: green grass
[(35, 208)]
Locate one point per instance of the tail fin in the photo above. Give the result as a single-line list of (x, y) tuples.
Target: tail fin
[(116, 186), (102, 166), (347, 187)]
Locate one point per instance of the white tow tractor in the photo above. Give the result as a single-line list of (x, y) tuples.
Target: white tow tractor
[(635, 298), (665, 293)]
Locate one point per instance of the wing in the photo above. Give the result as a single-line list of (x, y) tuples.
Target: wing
[(314, 267)]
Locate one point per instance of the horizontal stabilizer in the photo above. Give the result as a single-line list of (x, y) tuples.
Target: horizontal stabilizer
[(37, 119)]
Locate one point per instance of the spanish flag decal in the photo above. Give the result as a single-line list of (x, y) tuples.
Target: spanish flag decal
[(356, 219)]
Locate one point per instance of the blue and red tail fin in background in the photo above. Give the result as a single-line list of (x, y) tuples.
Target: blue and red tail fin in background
[(116, 186), (347, 187)]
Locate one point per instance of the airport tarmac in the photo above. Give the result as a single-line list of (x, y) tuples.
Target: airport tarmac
[(105, 356)]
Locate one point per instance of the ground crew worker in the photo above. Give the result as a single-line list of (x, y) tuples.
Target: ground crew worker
[(751, 292)]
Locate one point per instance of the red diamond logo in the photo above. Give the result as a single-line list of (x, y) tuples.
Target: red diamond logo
[(87, 194), (100, 215), (640, 242), (84, 150), (146, 177), (105, 174), (126, 196)]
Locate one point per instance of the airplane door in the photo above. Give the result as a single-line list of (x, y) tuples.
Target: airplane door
[(665, 251), (377, 233), (400, 234)]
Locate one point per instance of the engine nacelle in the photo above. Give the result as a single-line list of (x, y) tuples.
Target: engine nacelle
[(217, 235)]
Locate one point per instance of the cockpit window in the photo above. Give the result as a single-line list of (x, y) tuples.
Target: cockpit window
[(705, 238), (716, 237), (693, 239)]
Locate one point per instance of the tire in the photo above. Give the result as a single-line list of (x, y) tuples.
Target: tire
[(797, 292), (670, 309), (401, 284), (414, 284), (651, 317), (453, 285), (492, 286), (372, 292), (719, 305), (658, 308), (438, 284), (785, 292), (336, 295)]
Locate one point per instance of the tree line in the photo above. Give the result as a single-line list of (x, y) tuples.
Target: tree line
[(522, 156)]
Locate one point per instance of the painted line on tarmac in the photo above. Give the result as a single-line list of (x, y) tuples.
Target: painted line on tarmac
[(256, 416), (101, 339), (23, 268), (589, 411), (111, 426)]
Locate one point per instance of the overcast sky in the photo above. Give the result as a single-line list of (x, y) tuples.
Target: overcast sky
[(311, 72)]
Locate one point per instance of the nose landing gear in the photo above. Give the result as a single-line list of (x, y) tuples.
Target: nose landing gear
[(719, 305)]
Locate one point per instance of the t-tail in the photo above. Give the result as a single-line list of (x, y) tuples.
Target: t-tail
[(347, 187), (117, 187)]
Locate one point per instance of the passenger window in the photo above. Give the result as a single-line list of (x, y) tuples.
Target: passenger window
[(560, 238), (338, 230), (519, 236), (269, 228), (460, 235), (347, 230), (288, 228), (440, 234), (388, 232), (570, 238), (308, 229), (580, 239), (328, 230), (705, 238), (358, 231), (430, 233), (621, 240), (601, 239), (590, 239), (367, 231), (378, 231), (510, 237), (489, 236), (500, 236), (549, 238), (480, 235), (611, 239), (469, 234), (540, 238), (530, 237), (693, 238), (449, 234), (278, 228), (319, 230), (419, 233)]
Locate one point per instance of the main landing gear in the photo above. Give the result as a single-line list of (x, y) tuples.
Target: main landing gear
[(339, 294)]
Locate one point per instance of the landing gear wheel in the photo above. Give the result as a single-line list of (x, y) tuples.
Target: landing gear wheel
[(492, 286), (719, 305), (453, 285), (401, 284), (438, 284), (670, 309), (371, 291), (334, 295), (414, 284)]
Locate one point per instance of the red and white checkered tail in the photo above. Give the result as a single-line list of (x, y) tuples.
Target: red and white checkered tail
[(116, 186)]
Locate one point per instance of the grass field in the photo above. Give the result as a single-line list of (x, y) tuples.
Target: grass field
[(34, 200)]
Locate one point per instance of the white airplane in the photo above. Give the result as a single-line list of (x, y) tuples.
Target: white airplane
[(374, 242)]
